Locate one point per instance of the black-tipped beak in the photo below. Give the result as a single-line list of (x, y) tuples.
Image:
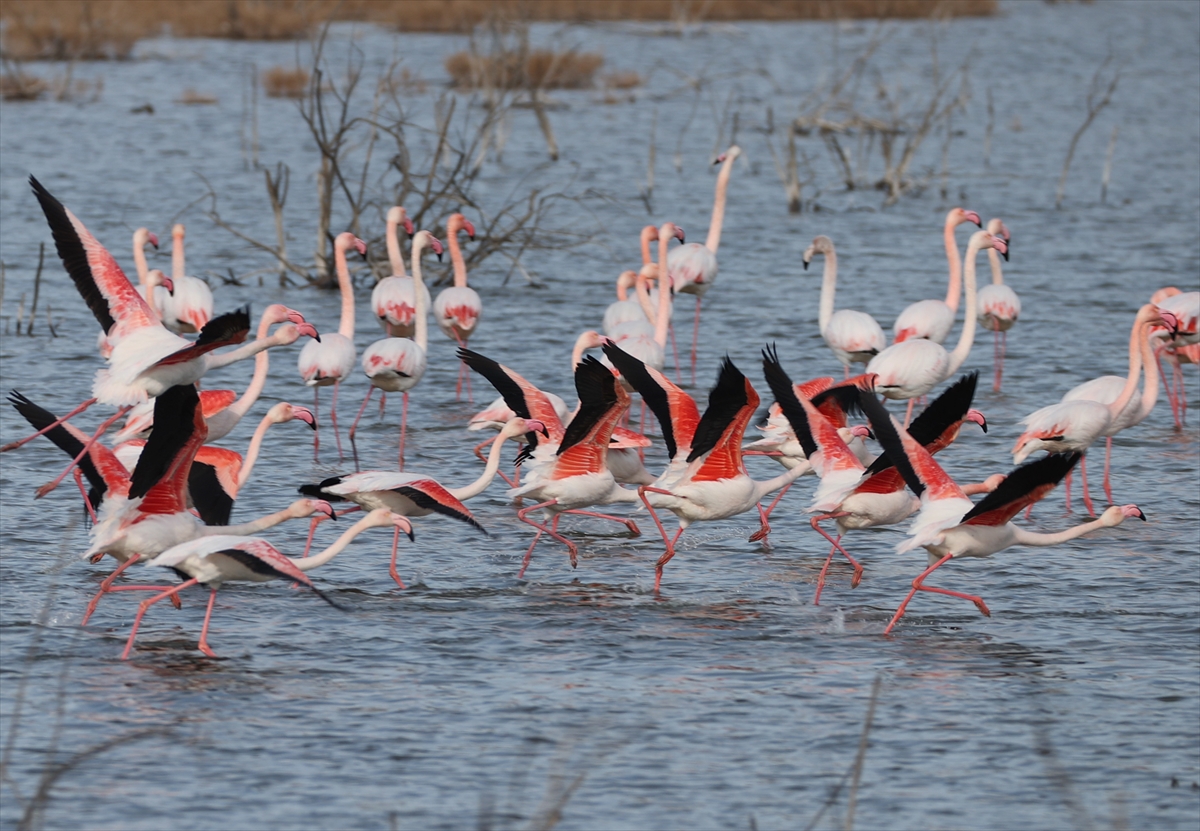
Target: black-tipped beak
[(870, 434), (984, 425), (805, 264), (1141, 515), (979, 223), (313, 425), (1006, 253), (412, 537), (439, 256), (716, 161)]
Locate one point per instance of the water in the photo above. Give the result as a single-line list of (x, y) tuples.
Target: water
[(476, 699)]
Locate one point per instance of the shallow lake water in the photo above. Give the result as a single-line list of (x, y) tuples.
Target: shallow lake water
[(578, 696)]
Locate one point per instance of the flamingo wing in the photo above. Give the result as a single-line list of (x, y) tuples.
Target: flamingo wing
[(718, 439), (914, 462), (835, 455), (255, 554), (104, 287), (223, 330), (1022, 488), (789, 404), (522, 397), (214, 401), (675, 410), (161, 473), (937, 426), (841, 400), (601, 402), (430, 495)]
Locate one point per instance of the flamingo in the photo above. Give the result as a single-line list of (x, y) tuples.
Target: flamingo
[(1074, 424), (626, 308), (949, 525), (190, 306), (146, 359), (1182, 346), (856, 496), (706, 479), (458, 307), (392, 299), (933, 319), (915, 366), (398, 364), (999, 306), (214, 561), (854, 337), (331, 360), (223, 409), (693, 267), (414, 494), (649, 343)]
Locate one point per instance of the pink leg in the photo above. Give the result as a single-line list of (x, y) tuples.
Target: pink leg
[(1180, 393), (1170, 388), (918, 585), (695, 338), (664, 559), (523, 515), (1067, 487), (392, 567), (628, 523), (764, 517), (203, 645), (382, 403), (845, 372), (354, 426), (87, 503), (1087, 498), (908, 412), (333, 419), (996, 358), (824, 571), (403, 430), (49, 486), (316, 417), (529, 551), (145, 605), (1107, 462), (837, 545), (105, 586), (13, 445), (669, 541)]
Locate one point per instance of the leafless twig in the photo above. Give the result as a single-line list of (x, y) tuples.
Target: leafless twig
[(1099, 96)]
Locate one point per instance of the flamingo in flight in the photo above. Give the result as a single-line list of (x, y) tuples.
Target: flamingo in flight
[(706, 479), (1074, 423), (226, 558), (393, 300), (999, 306), (189, 307), (398, 364), (458, 307), (146, 359), (415, 494), (852, 494), (693, 267), (331, 360), (933, 319), (854, 337), (915, 366), (949, 525)]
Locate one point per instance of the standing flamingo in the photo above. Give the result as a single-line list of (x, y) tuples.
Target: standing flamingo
[(854, 337), (398, 364), (393, 300), (330, 360), (626, 308), (949, 525), (693, 267), (1181, 346), (649, 343), (933, 319), (1074, 424), (999, 306), (457, 308), (214, 561), (190, 306), (706, 479), (915, 366)]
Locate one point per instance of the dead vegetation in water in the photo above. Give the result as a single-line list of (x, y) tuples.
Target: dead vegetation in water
[(109, 29), (18, 85), (281, 82), (523, 69)]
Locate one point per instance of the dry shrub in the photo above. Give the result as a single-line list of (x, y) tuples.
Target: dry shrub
[(190, 96), (622, 80), (69, 29), (285, 83), (537, 69), (16, 85)]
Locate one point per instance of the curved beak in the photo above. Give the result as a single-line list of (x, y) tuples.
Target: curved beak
[(805, 261), (978, 418), (360, 247), (469, 228), (1140, 515), (973, 217), (719, 158), (437, 247), (679, 234), (304, 414), (323, 507), (310, 330), (294, 316), (168, 284), (408, 226), (404, 525), (153, 238), (534, 426)]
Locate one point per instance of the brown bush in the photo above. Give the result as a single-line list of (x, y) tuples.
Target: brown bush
[(279, 82), (538, 69), (622, 80), (190, 96), (15, 85)]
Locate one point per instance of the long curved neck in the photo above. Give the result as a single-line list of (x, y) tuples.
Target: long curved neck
[(339, 545), (151, 297), (139, 260), (997, 272), (1135, 369), (242, 352), (393, 248), (177, 262), (582, 344), (641, 289), (648, 235), (489, 473), (346, 324), (1024, 537), (956, 265), (252, 451), (421, 330), (828, 289), (247, 529), (718, 214), (262, 363), (456, 257), (662, 322), (1150, 389), (967, 338)]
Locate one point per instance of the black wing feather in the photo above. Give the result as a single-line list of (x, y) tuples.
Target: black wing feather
[(597, 389), (174, 413), (229, 327), (62, 438), (634, 371), (208, 497), (724, 402), (424, 500), (948, 408), (1021, 481), (498, 376), (318, 491), (785, 394), (889, 439)]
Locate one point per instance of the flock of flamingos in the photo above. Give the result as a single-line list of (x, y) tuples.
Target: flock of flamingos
[(161, 494)]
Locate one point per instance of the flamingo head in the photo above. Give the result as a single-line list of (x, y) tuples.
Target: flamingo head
[(977, 417), (155, 277), (1163, 293), (997, 228), (861, 431), (518, 426), (732, 153), (1116, 514), (1000, 245), (469, 228), (679, 234), (399, 216), (435, 245), (304, 414), (1166, 319), (319, 506), (958, 216), (382, 516), (144, 235), (820, 245)]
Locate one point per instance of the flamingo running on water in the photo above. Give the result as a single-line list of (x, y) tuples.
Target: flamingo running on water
[(214, 561), (933, 319), (999, 306), (392, 300), (189, 307), (458, 307), (915, 366), (398, 364), (949, 525), (331, 360), (854, 337), (693, 267)]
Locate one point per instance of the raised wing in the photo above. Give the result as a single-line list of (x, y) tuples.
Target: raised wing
[(1023, 487), (676, 411)]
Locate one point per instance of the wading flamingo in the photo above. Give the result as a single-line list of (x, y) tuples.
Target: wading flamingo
[(915, 366), (949, 525), (392, 300), (999, 306), (189, 307), (458, 307), (693, 267), (649, 343), (933, 319), (854, 337), (398, 364), (1181, 346), (1074, 424), (214, 561), (331, 360)]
